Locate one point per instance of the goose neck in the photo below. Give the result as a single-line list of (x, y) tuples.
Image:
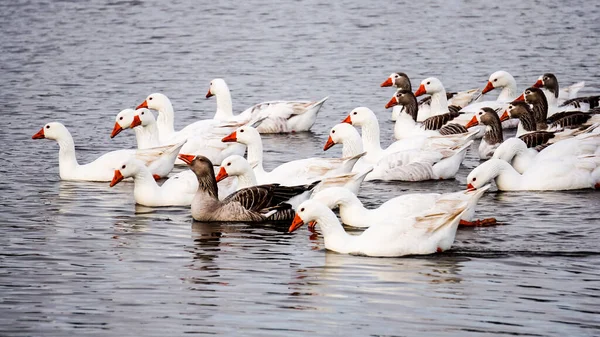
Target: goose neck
[(166, 121), (224, 105)]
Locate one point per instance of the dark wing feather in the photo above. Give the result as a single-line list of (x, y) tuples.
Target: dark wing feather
[(591, 100), (452, 129), (536, 138), (438, 121), (254, 198), (425, 100), (572, 120), (454, 108)]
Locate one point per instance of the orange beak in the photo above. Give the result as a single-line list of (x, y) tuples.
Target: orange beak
[(329, 144), (209, 94), (222, 174), (116, 178), (230, 138), (297, 223), (136, 122), (472, 122), (538, 84), (470, 187), (387, 83), (143, 105), (39, 134), (505, 116), (420, 91), (347, 120), (116, 130), (489, 87), (393, 101), (520, 98), (186, 158)]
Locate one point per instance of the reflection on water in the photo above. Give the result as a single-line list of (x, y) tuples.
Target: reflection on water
[(82, 258)]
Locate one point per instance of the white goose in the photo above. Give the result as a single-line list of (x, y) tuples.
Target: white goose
[(516, 152), (173, 192), (365, 119), (277, 116), (353, 213), (427, 232), (207, 144), (237, 166), (294, 172), (159, 160), (146, 134), (546, 175)]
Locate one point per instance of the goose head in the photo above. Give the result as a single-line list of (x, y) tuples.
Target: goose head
[(499, 79), (54, 130), (509, 149), (515, 109), (233, 165), (430, 86), (339, 133), (128, 168), (122, 121), (143, 117), (360, 116), (155, 101), (548, 81), (245, 135), (400, 80), (484, 116), (332, 197), (203, 169), (217, 85), (309, 211), (534, 95), (484, 173)]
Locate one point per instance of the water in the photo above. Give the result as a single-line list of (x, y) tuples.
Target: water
[(81, 258)]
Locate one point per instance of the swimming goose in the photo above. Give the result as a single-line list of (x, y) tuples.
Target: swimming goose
[(146, 132), (506, 82), (254, 204), (237, 166), (300, 171), (159, 160), (353, 213), (406, 124), (546, 175), (278, 116), (559, 100), (521, 157), (493, 136), (439, 101), (173, 192), (427, 232), (401, 81)]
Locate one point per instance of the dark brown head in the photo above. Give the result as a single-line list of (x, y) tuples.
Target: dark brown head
[(204, 171), (400, 80), (489, 117), (518, 108), (534, 96), (548, 81), (406, 99)]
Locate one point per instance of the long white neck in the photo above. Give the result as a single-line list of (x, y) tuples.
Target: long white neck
[(144, 185), (509, 91), (147, 136), (404, 127), (352, 146), (255, 158), (439, 103), (224, 105), (166, 121), (67, 161), (246, 179), (507, 177), (370, 137), (334, 235), (353, 213), (523, 159)]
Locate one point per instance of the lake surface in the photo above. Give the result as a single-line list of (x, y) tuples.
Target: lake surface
[(83, 259)]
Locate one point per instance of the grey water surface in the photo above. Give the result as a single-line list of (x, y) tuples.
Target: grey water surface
[(82, 259)]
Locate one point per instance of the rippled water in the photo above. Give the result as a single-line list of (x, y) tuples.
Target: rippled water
[(81, 258)]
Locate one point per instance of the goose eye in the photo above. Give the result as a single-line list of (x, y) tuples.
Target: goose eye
[(242, 130), (332, 131), (123, 167), (355, 113), (150, 98), (474, 178), (496, 80), (142, 112), (428, 83), (120, 118), (228, 164), (302, 209), (47, 126), (396, 76)]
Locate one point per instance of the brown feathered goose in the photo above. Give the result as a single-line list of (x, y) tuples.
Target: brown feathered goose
[(254, 204), (493, 136)]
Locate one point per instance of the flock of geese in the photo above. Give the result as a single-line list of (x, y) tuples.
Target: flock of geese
[(556, 147)]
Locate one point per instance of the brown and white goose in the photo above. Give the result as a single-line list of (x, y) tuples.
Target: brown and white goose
[(493, 136), (565, 99), (407, 126), (254, 204)]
